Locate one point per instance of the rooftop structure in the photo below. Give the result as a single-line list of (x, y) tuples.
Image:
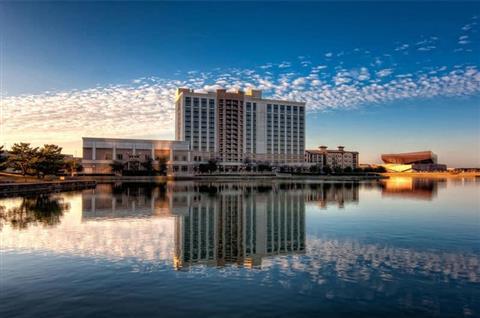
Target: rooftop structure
[(410, 157), (412, 161)]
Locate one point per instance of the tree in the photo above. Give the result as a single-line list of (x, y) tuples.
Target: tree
[(380, 169), (49, 160), (162, 165), (316, 169), (210, 166), (338, 170), (3, 159), (327, 170), (23, 158), (133, 163), (117, 167), (148, 165), (71, 166), (348, 170), (248, 164), (264, 166)]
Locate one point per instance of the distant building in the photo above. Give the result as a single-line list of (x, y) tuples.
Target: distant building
[(233, 127), (100, 153), (412, 161), (332, 158)]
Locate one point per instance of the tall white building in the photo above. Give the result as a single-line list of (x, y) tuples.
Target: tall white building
[(233, 127)]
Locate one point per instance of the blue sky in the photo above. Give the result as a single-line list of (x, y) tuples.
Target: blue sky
[(376, 76)]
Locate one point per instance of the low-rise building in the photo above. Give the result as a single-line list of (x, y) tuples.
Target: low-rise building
[(100, 153), (336, 158), (412, 162)]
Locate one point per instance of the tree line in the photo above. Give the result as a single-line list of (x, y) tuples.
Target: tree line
[(37, 161)]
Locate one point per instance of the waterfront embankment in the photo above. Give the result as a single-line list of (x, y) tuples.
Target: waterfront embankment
[(22, 188), (229, 177)]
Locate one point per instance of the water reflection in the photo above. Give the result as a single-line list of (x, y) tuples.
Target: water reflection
[(33, 210), (248, 224), (204, 240), (413, 188), (239, 226)]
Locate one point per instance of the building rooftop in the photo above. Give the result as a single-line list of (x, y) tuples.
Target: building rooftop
[(410, 157), (249, 92)]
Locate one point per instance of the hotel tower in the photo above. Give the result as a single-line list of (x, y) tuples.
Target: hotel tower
[(234, 127)]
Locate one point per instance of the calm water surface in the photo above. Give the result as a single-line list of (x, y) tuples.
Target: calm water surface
[(402, 247)]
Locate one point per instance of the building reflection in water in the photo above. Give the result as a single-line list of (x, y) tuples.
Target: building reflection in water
[(182, 224), (222, 223), (412, 188), (125, 200), (235, 225), (337, 193)]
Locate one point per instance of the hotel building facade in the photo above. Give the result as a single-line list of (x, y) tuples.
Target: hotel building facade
[(332, 158), (235, 127)]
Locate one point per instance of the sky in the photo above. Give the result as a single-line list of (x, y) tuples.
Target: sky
[(377, 77)]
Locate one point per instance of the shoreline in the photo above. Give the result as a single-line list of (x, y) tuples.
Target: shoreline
[(25, 188), (220, 178), (87, 182)]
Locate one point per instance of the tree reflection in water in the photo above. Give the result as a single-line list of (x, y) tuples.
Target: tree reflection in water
[(33, 210)]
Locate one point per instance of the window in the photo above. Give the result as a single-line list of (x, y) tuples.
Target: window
[(119, 156)]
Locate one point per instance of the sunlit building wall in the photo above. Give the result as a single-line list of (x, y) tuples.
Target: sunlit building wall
[(237, 126)]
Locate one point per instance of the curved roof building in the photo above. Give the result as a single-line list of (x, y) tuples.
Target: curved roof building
[(410, 158)]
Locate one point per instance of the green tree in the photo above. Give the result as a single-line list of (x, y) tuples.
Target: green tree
[(49, 160), (210, 166), (162, 165), (327, 170), (338, 170), (117, 167), (348, 170), (148, 166), (71, 166), (316, 169), (380, 169), (23, 158), (264, 166), (3, 159)]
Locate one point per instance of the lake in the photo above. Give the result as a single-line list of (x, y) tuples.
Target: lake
[(401, 247)]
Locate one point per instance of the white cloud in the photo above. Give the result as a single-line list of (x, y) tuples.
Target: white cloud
[(284, 64), (462, 40), (146, 107), (402, 47), (329, 54), (384, 72)]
